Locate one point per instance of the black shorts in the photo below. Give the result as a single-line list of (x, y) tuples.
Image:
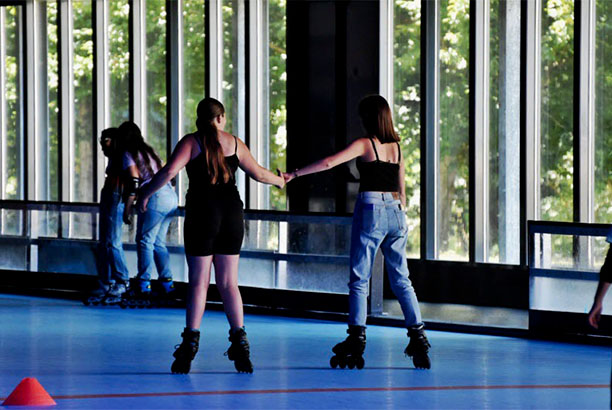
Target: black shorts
[(214, 226)]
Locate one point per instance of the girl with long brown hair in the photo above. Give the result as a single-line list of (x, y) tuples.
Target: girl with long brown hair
[(214, 225), (378, 221)]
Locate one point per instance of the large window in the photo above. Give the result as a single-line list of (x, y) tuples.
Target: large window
[(406, 108), (119, 61), (51, 181), (11, 116), (503, 223), (453, 203), (277, 22), (557, 110), (155, 57), (82, 37), (603, 114)]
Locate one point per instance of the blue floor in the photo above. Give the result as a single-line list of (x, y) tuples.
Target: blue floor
[(105, 357)]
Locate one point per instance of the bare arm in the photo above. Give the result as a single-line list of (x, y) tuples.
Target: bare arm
[(402, 183), (595, 313), (256, 171), (132, 171), (179, 158), (355, 149)]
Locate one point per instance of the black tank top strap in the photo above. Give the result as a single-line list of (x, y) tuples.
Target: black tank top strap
[(236, 145), (399, 152), (374, 146)]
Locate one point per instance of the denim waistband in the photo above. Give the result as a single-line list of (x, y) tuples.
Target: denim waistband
[(389, 198)]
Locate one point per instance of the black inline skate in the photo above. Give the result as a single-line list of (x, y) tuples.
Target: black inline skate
[(164, 293), (418, 347), (139, 294), (239, 351), (96, 296), (186, 351), (350, 352)]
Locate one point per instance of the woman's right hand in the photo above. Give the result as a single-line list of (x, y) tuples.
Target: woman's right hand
[(282, 181), (595, 315)]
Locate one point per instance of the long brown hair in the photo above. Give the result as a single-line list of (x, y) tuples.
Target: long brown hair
[(208, 110), (376, 117), (133, 142)]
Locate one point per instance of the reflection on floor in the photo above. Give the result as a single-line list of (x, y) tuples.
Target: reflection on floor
[(464, 314), (100, 357)]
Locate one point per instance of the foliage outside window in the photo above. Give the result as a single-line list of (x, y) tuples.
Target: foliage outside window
[(453, 205), (119, 61), (406, 109), (53, 102), (155, 56)]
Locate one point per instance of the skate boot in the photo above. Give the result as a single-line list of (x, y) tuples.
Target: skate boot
[(186, 351), (165, 293), (138, 295), (350, 352), (115, 294), (418, 347), (239, 352), (97, 296)]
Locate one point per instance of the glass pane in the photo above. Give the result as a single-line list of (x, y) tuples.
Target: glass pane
[(52, 171), (557, 111), (603, 114), (119, 61), (277, 26), (82, 36), (12, 122), (504, 132), (230, 65), (194, 76), (407, 107), (11, 135), (453, 204), (156, 76)]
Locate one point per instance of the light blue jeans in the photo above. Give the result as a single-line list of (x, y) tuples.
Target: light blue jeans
[(378, 221), (111, 259), (151, 234)]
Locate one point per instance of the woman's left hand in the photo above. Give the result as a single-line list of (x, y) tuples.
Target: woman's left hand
[(142, 204)]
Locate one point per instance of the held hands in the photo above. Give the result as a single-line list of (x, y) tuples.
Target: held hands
[(282, 182), (288, 176)]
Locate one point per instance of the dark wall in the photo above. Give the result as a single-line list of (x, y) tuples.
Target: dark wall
[(332, 63)]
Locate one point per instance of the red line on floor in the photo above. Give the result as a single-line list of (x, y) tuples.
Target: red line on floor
[(329, 390)]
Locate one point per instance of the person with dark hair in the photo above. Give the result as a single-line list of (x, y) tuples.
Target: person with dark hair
[(112, 268), (378, 221), (140, 164), (214, 225)]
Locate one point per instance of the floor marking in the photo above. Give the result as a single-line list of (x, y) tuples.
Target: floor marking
[(328, 390)]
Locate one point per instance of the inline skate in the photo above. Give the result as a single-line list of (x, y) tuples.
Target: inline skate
[(350, 351), (418, 347), (239, 351), (186, 351), (138, 296), (115, 294), (96, 296)]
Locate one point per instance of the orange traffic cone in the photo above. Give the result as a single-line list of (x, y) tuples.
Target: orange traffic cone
[(29, 393)]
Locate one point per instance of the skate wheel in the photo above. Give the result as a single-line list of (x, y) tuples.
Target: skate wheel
[(333, 362), (342, 363), (359, 363), (86, 302), (350, 363)]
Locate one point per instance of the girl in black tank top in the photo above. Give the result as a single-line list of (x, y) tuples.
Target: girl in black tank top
[(378, 221), (214, 226)]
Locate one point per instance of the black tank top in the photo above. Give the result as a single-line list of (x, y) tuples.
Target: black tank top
[(379, 176), (199, 177)]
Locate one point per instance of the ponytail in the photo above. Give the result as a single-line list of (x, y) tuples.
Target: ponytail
[(208, 110)]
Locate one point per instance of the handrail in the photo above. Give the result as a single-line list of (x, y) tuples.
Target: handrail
[(568, 228), (249, 214)]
